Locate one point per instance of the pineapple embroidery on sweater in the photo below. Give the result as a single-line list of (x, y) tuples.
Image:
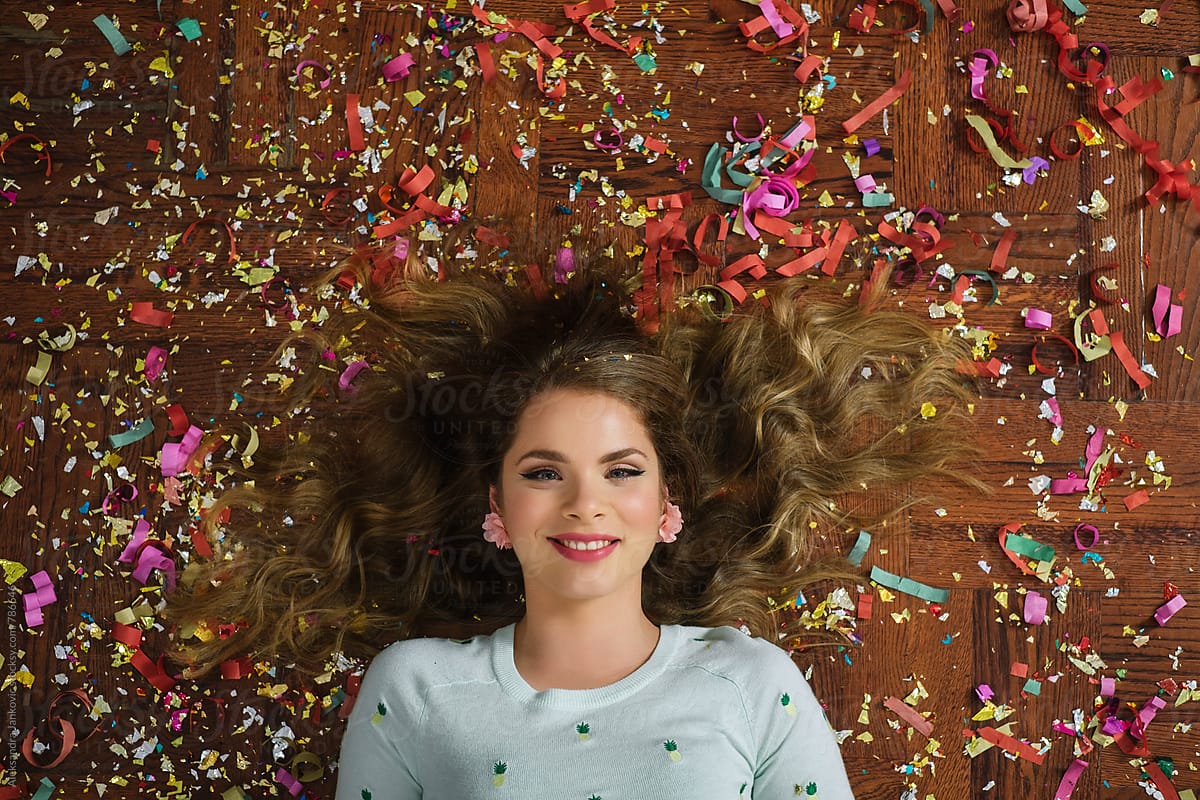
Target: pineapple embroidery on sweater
[(712, 715)]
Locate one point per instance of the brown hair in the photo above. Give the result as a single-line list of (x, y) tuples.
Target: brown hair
[(366, 528)]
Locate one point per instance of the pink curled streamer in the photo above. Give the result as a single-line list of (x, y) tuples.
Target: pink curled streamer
[(41, 596), (1167, 316), (776, 197), (1069, 779), (1083, 526), (285, 779), (349, 374), (140, 529), (175, 454), (153, 558), (982, 61)]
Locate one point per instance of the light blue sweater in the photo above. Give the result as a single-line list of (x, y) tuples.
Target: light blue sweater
[(712, 714)]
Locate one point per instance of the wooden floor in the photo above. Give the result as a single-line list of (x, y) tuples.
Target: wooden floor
[(245, 126)]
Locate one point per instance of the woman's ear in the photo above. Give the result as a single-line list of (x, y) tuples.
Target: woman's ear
[(493, 503)]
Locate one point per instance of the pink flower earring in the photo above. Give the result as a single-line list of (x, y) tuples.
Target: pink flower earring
[(494, 531), (672, 525)]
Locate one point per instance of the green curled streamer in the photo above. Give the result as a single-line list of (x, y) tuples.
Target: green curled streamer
[(983, 275)]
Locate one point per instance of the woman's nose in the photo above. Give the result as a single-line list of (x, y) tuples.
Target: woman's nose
[(583, 502)]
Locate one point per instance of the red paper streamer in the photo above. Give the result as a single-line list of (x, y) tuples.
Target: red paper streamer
[(145, 313), (880, 103), (354, 124), (43, 154)]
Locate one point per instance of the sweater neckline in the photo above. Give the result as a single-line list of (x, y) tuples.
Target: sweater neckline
[(505, 668)]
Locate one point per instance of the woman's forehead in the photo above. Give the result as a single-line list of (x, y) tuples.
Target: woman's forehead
[(581, 420)]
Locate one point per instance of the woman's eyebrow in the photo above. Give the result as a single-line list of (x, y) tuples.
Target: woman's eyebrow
[(554, 455)]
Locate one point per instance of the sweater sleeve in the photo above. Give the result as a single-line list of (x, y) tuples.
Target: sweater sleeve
[(376, 761), (798, 755)]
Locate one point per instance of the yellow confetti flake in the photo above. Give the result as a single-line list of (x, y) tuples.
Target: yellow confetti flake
[(928, 410), (414, 97)]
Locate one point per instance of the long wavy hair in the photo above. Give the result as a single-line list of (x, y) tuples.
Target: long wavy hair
[(365, 527)]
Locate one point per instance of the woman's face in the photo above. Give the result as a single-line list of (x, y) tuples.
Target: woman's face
[(581, 469)]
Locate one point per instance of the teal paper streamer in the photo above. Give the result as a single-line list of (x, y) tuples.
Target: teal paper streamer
[(139, 431), (710, 177), (877, 200), (1024, 546), (909, 586), (45, 789), (860, 548), (929, 13), (1077, 8), (119, 45)]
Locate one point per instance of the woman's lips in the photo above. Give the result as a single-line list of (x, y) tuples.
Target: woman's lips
[(585, 555)]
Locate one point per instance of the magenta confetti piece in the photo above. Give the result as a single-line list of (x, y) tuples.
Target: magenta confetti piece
[(1038, 320), (1035, 608), (398, 67), (156, 359), (1169, 609)]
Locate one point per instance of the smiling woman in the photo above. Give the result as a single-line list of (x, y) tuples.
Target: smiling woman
[(603, 506)]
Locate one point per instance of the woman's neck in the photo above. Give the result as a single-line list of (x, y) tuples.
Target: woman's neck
[(583, 646)]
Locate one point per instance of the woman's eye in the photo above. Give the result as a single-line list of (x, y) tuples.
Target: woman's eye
[(626, 472), (543, 474)]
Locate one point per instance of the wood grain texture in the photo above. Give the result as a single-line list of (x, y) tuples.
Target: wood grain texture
[(226, 130)]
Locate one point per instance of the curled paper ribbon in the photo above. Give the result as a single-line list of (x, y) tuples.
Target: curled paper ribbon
[(38, 372), (42, 155), (1069, 780), (125, 493), (209, 221), (179, 419), (348, 374), (1083, 526), (288, 782), (41, 596), (861, 545), (1137, 728), (175, 454), (1167, 316), (58, 344), (303, 65), (741, 137), (609, 142), (150, 557)]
